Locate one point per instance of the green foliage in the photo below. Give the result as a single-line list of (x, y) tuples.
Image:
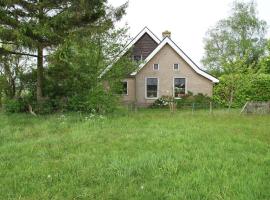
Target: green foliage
[(43, 107), (37, 25), (2, 87), (189, 100), (265, 61), (235, 90), (236, 44), (74, 72), (162, 102), (14, 105), (96, 101), (48, 23), (259, 87), (186, 101), (84, 41), (11, 69)]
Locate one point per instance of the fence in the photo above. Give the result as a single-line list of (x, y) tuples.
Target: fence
[(256, 107)]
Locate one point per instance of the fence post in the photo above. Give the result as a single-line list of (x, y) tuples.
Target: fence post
[(211, 108), (193, 107)]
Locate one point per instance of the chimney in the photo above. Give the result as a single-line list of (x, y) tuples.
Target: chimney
[(166, 34)]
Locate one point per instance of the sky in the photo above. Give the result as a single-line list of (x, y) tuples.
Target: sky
[(188, 20)]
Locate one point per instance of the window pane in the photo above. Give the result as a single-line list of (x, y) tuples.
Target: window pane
[(152, 85), (176, 66), (125, 88), (179, 87), (137, 58), (155, 66)]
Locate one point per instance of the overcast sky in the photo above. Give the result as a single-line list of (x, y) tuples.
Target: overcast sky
[(188, 20)]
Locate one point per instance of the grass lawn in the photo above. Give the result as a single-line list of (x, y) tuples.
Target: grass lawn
[(150, 154)]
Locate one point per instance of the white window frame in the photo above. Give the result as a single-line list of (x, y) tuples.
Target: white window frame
[(125, 81), (154, 67), (145, 88), (174, 86), (177, 68)]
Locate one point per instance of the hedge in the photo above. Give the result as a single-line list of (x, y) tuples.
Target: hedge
[(241, 88)]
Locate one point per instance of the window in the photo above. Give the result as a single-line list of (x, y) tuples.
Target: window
[(176, 66), (151, 87), (125, 88), (137, 58), (156, 67), (179, 87)]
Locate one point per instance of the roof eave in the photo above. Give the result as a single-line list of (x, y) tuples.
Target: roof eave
[(182, 54)]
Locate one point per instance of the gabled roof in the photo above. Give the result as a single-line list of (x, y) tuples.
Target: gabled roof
[(162, 43), (182, 54), (145, 30)]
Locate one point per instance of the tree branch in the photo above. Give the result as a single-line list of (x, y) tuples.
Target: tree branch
[(10, 43), (5, 51)]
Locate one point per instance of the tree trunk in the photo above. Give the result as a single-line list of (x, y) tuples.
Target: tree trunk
[(10, 90), (231, 99), (40, 74)]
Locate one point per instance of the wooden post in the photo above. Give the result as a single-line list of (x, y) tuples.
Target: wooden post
[(244, 107), (193, 107), (210, 105)]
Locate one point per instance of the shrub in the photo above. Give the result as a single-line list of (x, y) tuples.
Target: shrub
[(96, 101), (259, 88), (187, 100), (235, 90), (43, 107), (14, 105), (161, 102)]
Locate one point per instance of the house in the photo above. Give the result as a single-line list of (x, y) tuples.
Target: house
[(163, 70)]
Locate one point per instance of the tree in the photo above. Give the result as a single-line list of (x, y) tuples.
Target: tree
[(236, 44), (265, 61), (37, 25), (11, 69), (73, 78)]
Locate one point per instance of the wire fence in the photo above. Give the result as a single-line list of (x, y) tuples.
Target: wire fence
[(173, 106)]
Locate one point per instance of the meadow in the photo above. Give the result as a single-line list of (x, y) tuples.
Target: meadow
[(149, 154)]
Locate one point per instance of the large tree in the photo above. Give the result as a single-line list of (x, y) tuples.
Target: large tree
[(11, 69), (235, 44), (36, 25), (265, 60), (73, 77)]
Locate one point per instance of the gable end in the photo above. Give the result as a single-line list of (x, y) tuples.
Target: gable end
[(144, 46)]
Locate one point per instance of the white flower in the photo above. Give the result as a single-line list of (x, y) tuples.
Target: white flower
[(49, 176), (142, 187)]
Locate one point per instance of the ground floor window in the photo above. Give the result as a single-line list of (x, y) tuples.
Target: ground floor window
[(125, 88), (151, 87), (179, 87)]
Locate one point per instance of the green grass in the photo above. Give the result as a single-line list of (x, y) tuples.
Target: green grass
[(150, 154)]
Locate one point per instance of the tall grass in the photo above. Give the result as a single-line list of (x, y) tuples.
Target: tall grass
[(151, 154)]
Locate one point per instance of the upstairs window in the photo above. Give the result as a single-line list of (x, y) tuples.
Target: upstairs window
[(179, 87), (176, 67), (151, 88), (137, 58), (156, 67)]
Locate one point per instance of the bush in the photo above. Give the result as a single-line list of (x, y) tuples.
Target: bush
[(185, 101), (259, 88), (188, 100), (14, 105), (235, 90), (43, 107), (162, 102), (96, 101)]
